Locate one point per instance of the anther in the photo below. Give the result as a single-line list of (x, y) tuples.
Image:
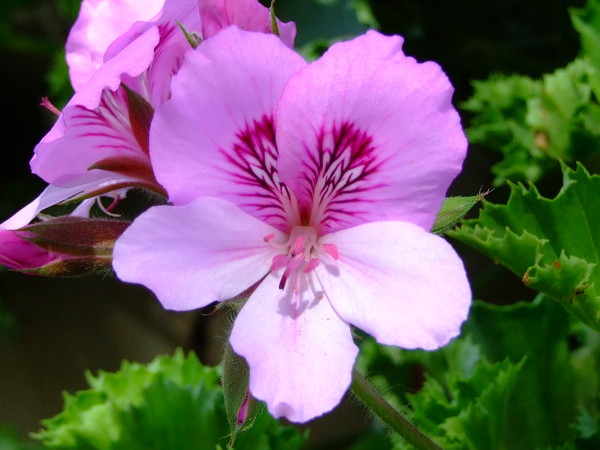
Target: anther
[(331, 250)]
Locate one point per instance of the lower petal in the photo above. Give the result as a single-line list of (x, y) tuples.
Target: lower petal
[(190, 256), (299, 351), (397, 282)]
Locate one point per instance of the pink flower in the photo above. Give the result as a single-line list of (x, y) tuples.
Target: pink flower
[(317, 185), (122, 56)]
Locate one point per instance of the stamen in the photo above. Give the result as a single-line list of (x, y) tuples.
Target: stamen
[(298, 245), (283, 280), (106, 210), (46, 103), (312, 265), (113, 204), (331, 250), (300, 252), (280, 261)]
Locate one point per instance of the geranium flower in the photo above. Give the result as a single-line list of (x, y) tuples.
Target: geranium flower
[(314, 185), (122, 55)]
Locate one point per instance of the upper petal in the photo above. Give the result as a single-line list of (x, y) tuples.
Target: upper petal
[(99, 23), (367, 133), (82, 138), (192, 255), (397, 282), (215, 135), (300, 353), (248, 15)]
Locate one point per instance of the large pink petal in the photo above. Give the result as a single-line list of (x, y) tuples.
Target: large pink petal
[(249, 15), (299, 351), (402, 285), (100, 22), (192, 255), (215, 135), (369, 134)]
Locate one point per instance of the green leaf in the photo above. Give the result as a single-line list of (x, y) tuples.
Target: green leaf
[(552, 244), (453, 210), (587, 23), (171, 403), (508, 382), (536, 123), (542, 409), (11, 440), (472, 412)]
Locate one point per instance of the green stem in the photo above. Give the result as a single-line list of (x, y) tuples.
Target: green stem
[(373, 400)]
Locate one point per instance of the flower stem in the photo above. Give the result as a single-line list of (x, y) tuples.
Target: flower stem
[(373, 400)]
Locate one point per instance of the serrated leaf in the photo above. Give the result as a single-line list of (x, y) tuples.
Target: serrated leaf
[(457, 409), (172, 403), (536, 123), (542, 410), (470, 411), (552, 244), (587, 23)]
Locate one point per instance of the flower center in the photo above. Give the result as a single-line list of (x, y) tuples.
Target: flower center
[(300, 252)]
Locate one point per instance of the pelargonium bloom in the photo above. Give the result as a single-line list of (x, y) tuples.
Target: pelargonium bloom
[(122, 55), (315, 185)]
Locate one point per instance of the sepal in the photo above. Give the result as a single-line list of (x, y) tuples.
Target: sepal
[(453, 210), (65, 266), (241, 408), (75, 236), (193, 39), (140, 117), (61, 246)]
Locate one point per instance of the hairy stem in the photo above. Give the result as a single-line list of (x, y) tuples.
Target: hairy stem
[(374, 401)]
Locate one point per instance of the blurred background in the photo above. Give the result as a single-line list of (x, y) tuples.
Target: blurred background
[(52, 330)]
